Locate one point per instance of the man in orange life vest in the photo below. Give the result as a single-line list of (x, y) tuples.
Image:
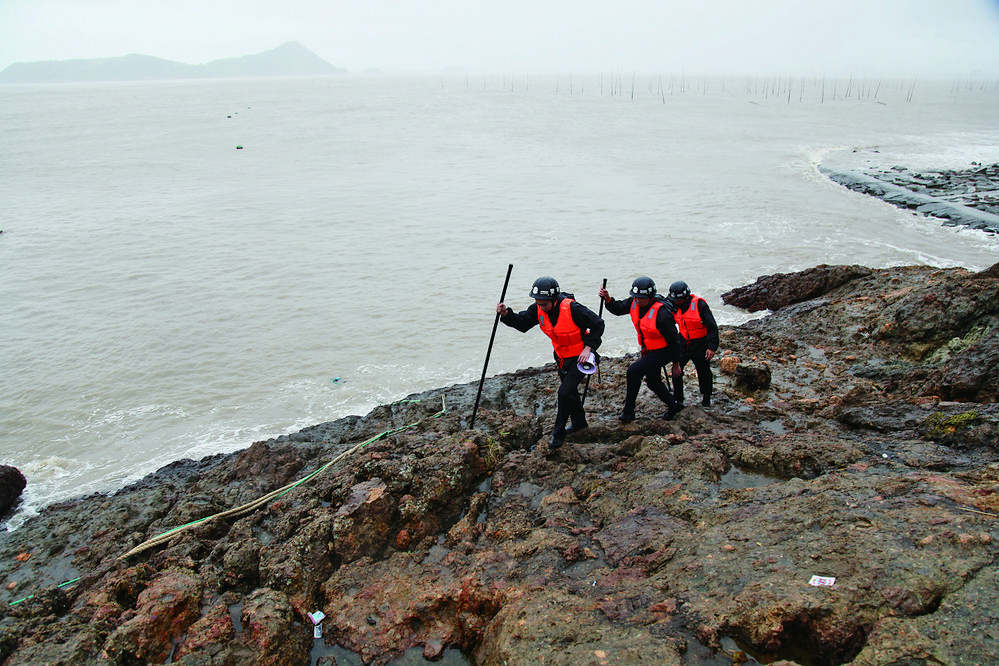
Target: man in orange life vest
[(658, 340), (575, 332), (697, 326)]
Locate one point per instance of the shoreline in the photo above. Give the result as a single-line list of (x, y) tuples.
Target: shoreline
[(162, 407), (968, 197), (958, 197), (860, 418)]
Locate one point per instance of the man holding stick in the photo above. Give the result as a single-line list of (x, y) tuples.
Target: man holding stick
[(658, 340), (575, 332)]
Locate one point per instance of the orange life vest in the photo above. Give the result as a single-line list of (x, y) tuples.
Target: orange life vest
[(566, 337), (649, 337), (689, 321)]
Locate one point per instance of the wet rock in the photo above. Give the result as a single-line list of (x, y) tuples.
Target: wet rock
[(272, 630), (752, 376), (211, 631), (642, 537), (968, 197), (163, 611), (362, 524), (241, 563), (523, 630), (773, 292), (12, 483)]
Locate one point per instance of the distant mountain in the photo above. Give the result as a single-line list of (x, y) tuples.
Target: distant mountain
[(291, 59)]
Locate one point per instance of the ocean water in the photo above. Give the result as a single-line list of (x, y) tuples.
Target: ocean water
[(189, 267)]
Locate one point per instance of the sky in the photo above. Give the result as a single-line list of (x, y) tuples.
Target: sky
[(955, 39)]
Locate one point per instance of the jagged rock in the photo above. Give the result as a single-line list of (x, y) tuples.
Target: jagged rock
[(361, 524), (273, 630), (752, 376), (163, 612), (12, 484), (773, 292)]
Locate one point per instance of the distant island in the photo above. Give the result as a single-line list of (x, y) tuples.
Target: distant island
[(290, 59)]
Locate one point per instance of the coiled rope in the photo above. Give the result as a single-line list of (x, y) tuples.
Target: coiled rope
[(256, 504)]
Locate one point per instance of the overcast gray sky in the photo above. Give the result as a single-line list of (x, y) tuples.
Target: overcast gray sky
[(924, 38)]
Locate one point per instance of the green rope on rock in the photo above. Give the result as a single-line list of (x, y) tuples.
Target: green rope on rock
[(31, 596), (256, 504)]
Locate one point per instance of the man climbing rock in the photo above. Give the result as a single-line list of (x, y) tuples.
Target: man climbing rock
[(658, 340), (575, 332), (697, 326)]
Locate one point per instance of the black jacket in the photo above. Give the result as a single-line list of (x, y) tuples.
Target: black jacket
[(591, 326), (665, 324)]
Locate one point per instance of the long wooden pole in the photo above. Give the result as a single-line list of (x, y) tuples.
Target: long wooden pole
[(600, 313), (489, 350)]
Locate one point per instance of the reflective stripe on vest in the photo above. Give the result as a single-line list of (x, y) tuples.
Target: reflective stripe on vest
[(689, 322), (649, 337), (566, 337)]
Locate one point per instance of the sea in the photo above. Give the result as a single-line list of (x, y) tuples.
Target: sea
[(188, 267)]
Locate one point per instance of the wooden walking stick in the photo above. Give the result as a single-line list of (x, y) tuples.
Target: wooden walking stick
[(478, 394)]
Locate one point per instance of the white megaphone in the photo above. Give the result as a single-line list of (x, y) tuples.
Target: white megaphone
[(589, 366)]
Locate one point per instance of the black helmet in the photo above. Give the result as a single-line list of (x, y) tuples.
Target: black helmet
[(643, 287), (678, 291), (545, 287)]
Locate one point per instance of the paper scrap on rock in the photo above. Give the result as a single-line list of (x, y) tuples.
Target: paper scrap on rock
[(822, 581)]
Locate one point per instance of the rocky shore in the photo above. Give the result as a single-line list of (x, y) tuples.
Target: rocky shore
[(968, 197), (837, 504)]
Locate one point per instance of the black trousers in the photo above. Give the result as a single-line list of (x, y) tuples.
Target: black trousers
[(705, 380), (649, 368), (570, 405)]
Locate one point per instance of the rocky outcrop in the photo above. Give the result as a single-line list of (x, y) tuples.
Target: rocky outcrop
[(968, 197), (12, 484), (836, 504), (773, 292)]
